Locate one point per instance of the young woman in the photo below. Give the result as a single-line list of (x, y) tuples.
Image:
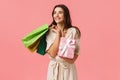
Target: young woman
[(61, 68)]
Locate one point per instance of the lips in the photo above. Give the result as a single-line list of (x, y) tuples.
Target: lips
[(57, 18)]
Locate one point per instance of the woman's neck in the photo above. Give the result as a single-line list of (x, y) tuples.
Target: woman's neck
[(61, 26)]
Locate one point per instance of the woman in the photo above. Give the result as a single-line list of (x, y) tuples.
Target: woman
[(61, 68)]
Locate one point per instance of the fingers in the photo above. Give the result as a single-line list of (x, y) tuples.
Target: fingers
[(53, 26), (55, 29)]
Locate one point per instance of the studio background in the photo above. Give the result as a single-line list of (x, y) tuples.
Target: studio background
[(98, 20)]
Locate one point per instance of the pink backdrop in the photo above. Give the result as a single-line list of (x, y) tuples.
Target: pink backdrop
[(98, 20)]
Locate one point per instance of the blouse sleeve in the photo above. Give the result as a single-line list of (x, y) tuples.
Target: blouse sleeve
[(50, 38), (77, 38)]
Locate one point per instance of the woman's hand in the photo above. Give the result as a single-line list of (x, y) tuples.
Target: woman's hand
[(56, 30), (71, 61), (53, 49)]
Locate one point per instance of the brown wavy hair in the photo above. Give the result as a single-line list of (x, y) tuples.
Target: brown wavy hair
[(67, 21)]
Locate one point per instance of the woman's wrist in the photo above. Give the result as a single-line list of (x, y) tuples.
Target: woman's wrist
[(58, 34)]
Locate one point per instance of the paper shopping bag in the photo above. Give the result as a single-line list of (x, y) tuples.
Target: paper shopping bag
[(32, 39), (41, 48), (34, 46)]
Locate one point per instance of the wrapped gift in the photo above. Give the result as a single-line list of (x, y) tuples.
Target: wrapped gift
[(66, 48)]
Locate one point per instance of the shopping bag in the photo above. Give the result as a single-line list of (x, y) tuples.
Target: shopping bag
[(42, 45), (66, 48), (32, 39), (34, 46)]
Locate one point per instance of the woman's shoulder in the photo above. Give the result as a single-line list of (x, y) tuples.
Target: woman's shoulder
[(75, 30)]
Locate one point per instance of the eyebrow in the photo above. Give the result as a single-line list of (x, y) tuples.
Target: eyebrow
[(58, 11)]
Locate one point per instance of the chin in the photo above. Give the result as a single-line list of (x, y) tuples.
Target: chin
[(58, 22)]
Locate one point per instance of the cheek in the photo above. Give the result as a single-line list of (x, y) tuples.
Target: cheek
[(62, 16), (53, 16)]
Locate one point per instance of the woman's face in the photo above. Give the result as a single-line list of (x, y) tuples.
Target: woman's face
[(58, 15)]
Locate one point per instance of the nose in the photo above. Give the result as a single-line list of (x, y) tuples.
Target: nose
[(56, 15)]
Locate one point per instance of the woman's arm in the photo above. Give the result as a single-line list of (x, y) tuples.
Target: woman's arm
[(54, 47), (53, 50), (71, 61), (77, 37)]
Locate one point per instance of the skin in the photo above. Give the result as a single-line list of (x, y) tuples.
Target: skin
[(58, 29)]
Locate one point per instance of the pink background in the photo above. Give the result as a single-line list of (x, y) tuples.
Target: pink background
[(98, 20)]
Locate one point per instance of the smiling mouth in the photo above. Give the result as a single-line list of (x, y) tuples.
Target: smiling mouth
[(57, 18)]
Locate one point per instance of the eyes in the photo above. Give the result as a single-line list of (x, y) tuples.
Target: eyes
[(59, 12)]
